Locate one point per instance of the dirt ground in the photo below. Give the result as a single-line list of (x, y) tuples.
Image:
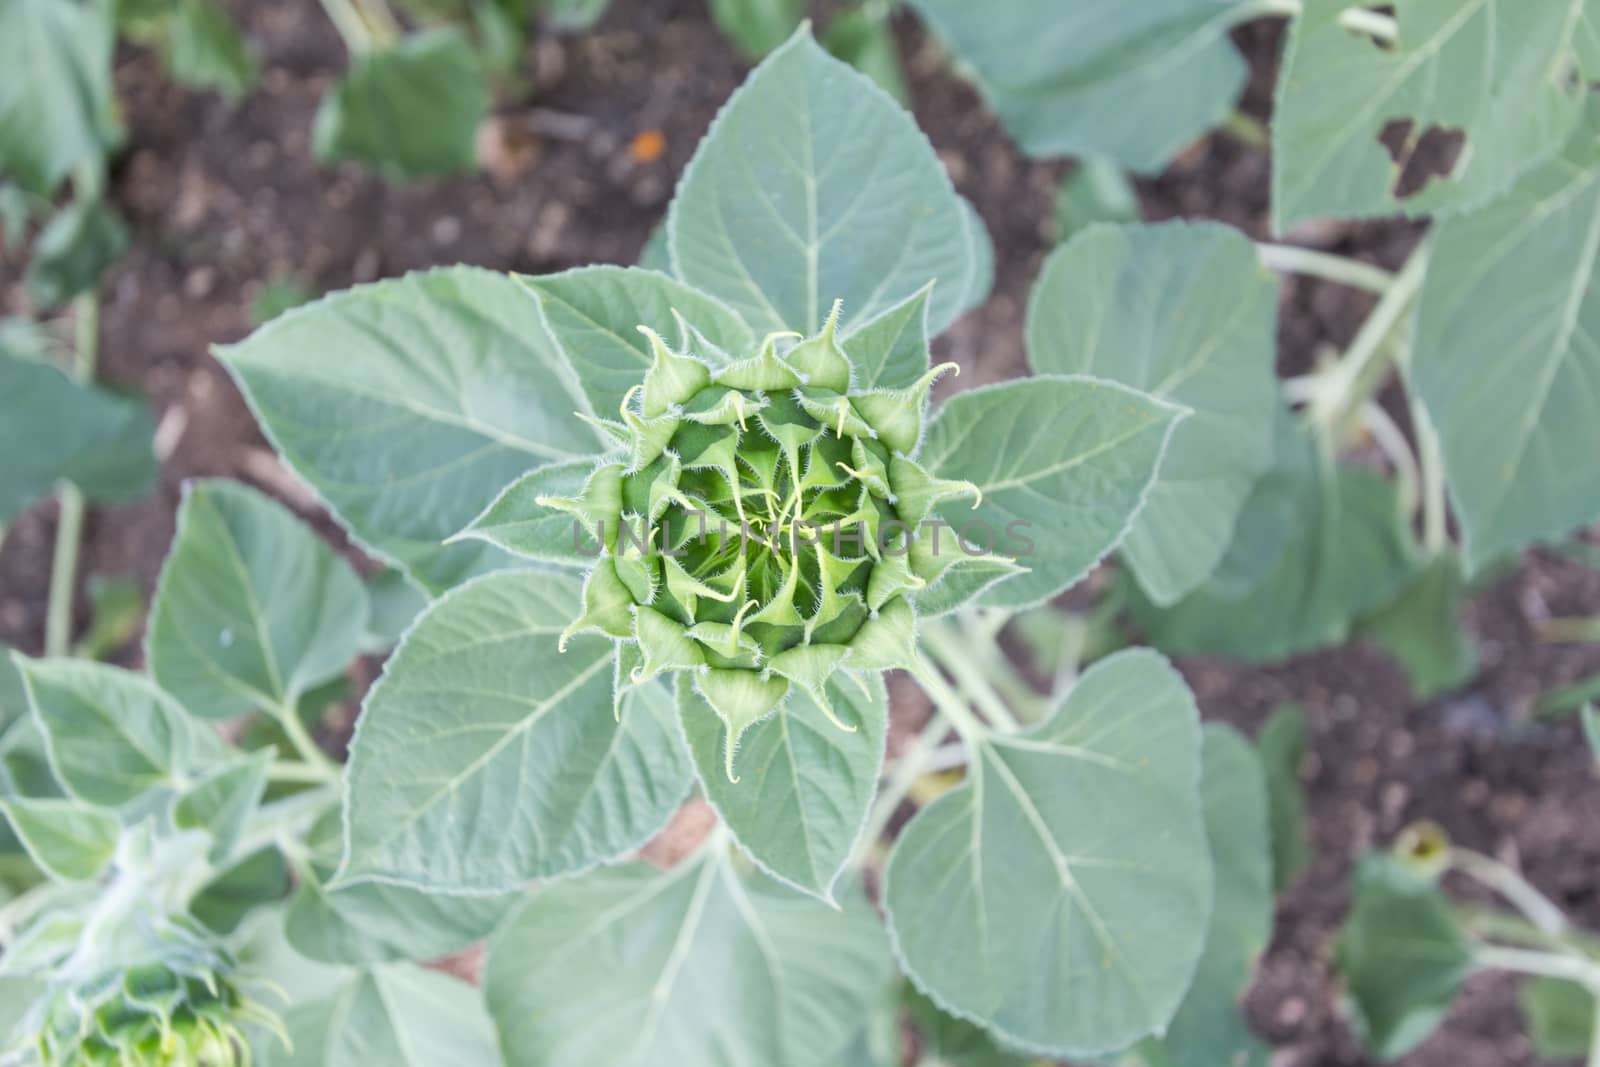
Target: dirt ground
[(224, 199)]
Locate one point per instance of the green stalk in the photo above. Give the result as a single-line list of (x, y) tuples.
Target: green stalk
[(950, 704), (293, 773), (305, 746), (1288, 259), (69, 521), (948, 652), (1359, 374), (358, 36), (1577, 969), (1430, 460), (1515, 889)]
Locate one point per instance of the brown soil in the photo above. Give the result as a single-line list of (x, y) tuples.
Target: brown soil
[(224, 199)]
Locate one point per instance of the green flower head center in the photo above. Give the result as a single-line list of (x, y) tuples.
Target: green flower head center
[(762, 528)]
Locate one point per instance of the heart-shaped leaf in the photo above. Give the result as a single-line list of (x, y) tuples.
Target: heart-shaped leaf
[(1064, 934)]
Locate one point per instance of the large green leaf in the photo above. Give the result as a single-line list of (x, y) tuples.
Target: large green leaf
[(1282, 743), (1334, 550), (594, 314), (252, 609), (485, 757), (1063, 933), (814, 185), (1209, 1029), (112, 735), (1506, 338), (1499, 74), (408, 111), (1402, 954), (1422, 629), (1133, 82), (1064, 465), (1186, 313), (397, 1015), (409, 404), (56, 428), (56, 105), (633, 967), (804, 785)]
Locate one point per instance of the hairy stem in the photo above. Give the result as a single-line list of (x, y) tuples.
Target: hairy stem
[(1361, 371), (948, 652), (1289, 259), (69, 520)]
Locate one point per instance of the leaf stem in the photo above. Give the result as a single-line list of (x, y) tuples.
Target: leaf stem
[(358, 36), (1290, 259), (284, 815), (1517, 890), (305, 746), (1360, 372), (1430, 461), (1577, 969), (1392, 442), (295, 773), (950, 704), (1373, 23), (70, 505), (949, 654)]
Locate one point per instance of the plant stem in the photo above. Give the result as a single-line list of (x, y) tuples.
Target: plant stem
[(949, 654), (1360, 372), (1394, 445), (1577, 969), (1517, 890), (286, 815), (1289, 259), (380, 21), (298, 773), (1373, 23), (305, 746), (1430, 460), (358, 38), (950, 704), (911, 766), (69, 516)]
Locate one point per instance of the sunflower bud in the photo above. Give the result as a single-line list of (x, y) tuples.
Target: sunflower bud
[(763, 530)]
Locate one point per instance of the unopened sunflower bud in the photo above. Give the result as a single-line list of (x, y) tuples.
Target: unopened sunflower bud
[(777, 514)]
